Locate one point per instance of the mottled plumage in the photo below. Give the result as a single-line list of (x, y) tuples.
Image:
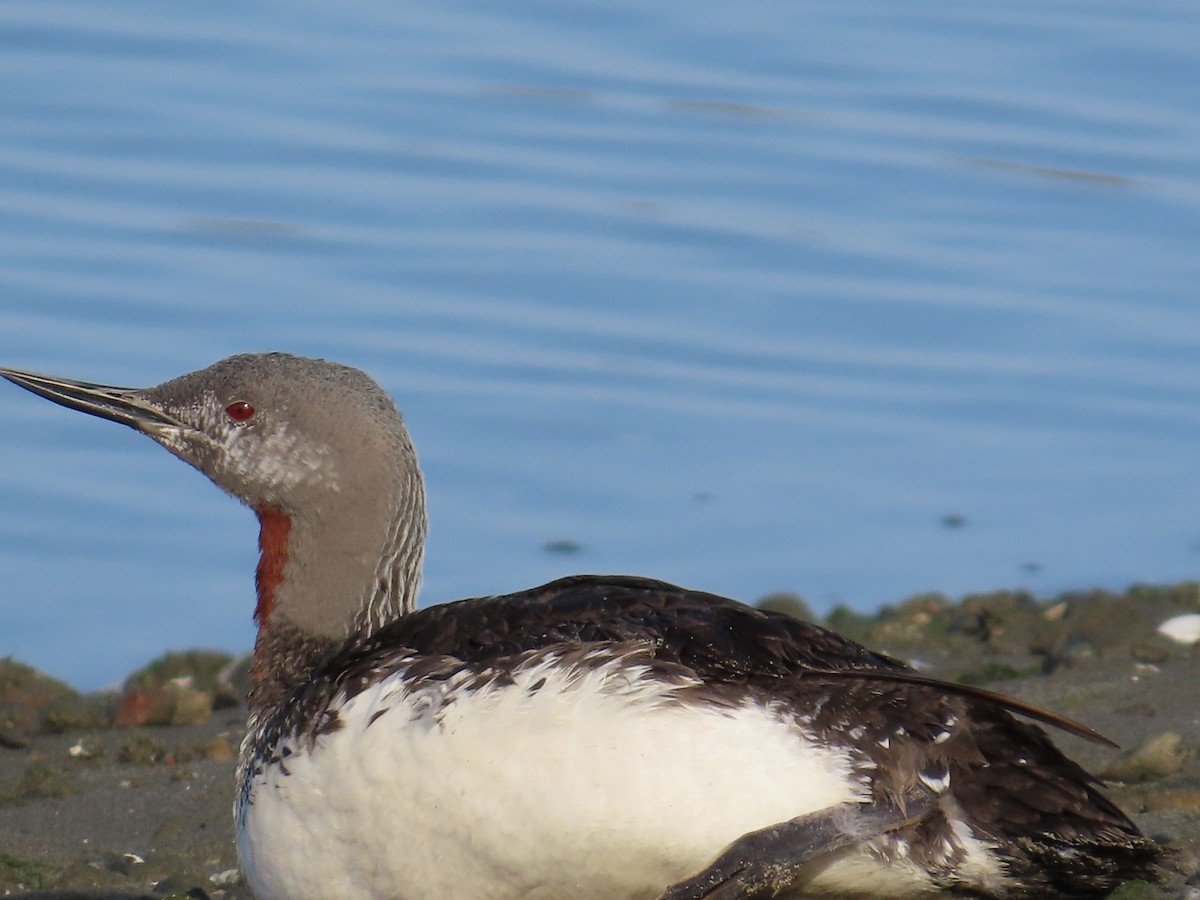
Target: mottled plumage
[(1005, 776)]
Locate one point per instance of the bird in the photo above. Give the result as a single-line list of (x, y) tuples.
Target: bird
[(600, 736)]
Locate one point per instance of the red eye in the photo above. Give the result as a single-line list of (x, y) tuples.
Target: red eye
[(239, 411)]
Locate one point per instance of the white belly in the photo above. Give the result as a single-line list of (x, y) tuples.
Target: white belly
[(594, 785)]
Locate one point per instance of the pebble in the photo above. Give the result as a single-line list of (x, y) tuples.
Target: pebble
[(171, 704), (143, 750), (13, 739), (1151, 651), (1185, 801), (1184, 629), (86, 748), (219, 749), (1160, 755), (227, 878)]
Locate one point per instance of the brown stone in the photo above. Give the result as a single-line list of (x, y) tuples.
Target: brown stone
[(1156, 757), (171, 704), (1182, 801)]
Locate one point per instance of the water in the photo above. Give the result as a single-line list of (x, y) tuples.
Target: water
[(745, 297)]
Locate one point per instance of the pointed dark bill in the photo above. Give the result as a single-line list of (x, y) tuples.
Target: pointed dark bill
[(117, 404)]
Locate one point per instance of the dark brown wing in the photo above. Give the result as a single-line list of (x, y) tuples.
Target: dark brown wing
[(717, 637), (721, 640)]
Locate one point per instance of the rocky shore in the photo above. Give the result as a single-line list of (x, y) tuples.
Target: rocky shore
[(128, 795)]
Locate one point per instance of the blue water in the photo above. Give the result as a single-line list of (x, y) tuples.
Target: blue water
[(750, 297)]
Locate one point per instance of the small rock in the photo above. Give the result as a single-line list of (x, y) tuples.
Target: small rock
[(12, 739), (1156, 757), (1151, 650), (192, 707), (228, 878), (1182, 801), (1183, 629), (1055, 612), (219, 749), (175, 703), (133, 709), (86, 748), (143, 750)]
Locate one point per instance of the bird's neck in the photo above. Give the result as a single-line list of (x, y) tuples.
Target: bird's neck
[(322, 576)]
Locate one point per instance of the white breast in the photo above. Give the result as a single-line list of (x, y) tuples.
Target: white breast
[(560, 783)]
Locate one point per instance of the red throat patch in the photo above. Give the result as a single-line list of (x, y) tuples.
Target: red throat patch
[(273, 528)]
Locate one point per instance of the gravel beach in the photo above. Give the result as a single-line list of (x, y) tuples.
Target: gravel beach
[(90, 809)]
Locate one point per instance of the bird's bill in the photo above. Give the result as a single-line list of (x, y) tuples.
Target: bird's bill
[(117, 404)]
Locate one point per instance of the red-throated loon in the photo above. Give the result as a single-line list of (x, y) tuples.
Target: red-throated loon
[(597, 737)]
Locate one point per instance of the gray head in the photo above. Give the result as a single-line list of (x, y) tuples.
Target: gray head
[(280, 431), (320, 453)]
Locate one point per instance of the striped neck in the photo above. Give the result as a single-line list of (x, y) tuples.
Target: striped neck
[(348, 567)]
